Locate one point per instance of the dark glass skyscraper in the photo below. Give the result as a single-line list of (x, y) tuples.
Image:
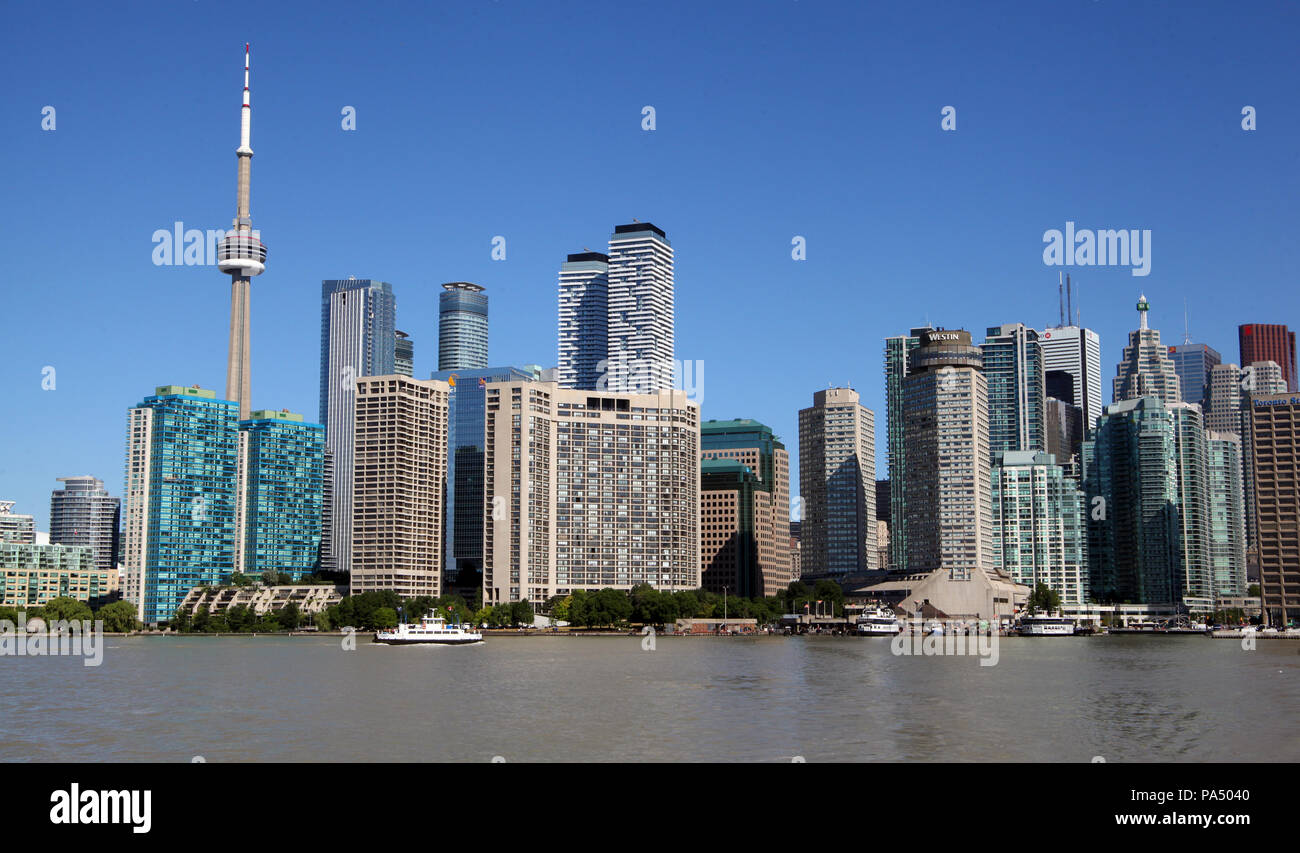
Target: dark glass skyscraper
[(897, 351), (403, 354), (465, 502), (462, 327), (1013, 367), (1193, 363)]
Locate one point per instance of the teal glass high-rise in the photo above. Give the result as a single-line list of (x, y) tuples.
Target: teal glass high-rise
[(181, 468), (284, 466)]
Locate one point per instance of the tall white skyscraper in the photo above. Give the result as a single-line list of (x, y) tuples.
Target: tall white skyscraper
[(1075, 351), (357, 335), (584, 319), (639, 351)]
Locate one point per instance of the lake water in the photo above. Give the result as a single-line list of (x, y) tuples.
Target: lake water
[(1125, 698)]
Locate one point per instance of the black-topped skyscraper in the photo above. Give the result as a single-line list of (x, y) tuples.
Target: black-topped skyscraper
[(639, 328), (242, 255)]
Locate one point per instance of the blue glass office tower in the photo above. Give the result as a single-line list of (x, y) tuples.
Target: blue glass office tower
[(462, 327), (281, 505), (1013, 367), (465, 503), (181, 468), (1193, 363)]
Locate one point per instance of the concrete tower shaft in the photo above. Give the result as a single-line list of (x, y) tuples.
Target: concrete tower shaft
[(241, 255)]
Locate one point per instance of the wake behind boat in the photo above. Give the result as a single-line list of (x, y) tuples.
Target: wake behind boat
[(432, 630)]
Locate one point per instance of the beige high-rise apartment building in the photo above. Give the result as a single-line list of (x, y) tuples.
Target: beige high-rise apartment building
[(398, 480), (586, 490), (837, 481), (946, 428)]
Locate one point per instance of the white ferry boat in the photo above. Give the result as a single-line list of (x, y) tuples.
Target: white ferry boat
[(431, 630), (1040, 625), (878, 623)]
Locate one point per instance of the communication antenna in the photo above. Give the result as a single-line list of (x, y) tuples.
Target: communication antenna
[(1060, 296)]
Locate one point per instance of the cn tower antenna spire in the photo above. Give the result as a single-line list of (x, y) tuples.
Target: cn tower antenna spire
[(241, 255)]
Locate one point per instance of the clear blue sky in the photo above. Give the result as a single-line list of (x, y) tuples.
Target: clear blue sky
[(477, 119)]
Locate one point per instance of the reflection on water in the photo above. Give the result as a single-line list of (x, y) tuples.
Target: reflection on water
[(605, 699)]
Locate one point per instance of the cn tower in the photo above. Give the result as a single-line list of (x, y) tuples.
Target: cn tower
[(242, 255)]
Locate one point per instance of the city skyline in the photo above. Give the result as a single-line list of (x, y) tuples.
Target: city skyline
[(987, 271)]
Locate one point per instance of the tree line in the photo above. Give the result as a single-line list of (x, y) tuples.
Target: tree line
[(118, 616)]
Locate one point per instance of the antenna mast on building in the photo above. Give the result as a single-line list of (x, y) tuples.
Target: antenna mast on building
[(1060, 298)]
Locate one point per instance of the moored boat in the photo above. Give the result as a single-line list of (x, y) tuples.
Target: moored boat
[(878, 623), (431, 630), (1042, 625)]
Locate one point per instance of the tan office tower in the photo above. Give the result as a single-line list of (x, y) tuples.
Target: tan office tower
[(1275, 457), (946, 429), (586, 490), (837, 481), (399, 475)]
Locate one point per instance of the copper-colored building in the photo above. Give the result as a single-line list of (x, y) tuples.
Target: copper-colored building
[(1275, 457)]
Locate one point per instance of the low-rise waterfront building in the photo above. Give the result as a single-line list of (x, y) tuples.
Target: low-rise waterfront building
[(30, 575), (310, 598)]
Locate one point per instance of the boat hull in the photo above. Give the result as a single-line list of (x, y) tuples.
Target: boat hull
[(449, 641)]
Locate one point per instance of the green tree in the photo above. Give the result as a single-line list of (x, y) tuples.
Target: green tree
[(557, 607), (119, 617), (322, 621), (384, 617), (241, 618), (60, 608), (10, 615), (241, 579), (687, 604), (289, 617), (615, 606), (202, 617), (1044, 598), (829, 592), (521, 613), (580, 607), (1252, 590)]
